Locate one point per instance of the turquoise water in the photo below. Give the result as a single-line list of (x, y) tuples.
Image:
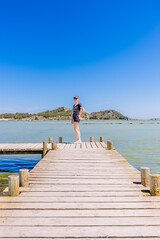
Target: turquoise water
[(137, 141)]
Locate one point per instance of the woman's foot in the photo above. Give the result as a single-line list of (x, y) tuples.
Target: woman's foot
[(78, 141)]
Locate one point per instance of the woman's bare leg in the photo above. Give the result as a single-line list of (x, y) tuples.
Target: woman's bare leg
[(77, 131)]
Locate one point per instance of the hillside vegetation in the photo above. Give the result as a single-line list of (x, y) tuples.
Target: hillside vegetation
[(107, 114), (61, 113)]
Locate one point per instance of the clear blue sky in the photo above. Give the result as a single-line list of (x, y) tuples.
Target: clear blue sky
[(105, 51)]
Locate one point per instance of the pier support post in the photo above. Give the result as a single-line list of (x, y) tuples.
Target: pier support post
[(23, 177), (91, 139), (13, 185), (101, 139), (155, 184), (145, 178), (109, 145), (60, 139), (50, 140), (44, 149), (54, 146)]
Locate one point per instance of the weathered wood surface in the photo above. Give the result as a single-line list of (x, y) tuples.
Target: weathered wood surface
[(11, 148), (15, 148), (81, 192)]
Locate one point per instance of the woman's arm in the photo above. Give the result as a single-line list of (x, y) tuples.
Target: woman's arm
[(83, 110), (72, 119)]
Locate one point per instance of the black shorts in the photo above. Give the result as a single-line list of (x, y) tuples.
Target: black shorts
[(76, 118)]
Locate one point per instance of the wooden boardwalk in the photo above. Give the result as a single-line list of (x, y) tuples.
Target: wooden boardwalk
[(24, 148), (81, 191)]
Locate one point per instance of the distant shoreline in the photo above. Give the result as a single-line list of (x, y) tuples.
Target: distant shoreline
[(63, 113), (42, 120)]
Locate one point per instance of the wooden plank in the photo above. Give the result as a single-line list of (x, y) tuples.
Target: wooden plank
[(78, 173), (79, 213), (101, 167), (89, 155), (84, 146), (73, 146), (72, 176), (89, 167), (60, 146), (82, 188), (100, 170), (103, 145), (78, 146), (99, 145), (4, 145), (107, 171), (81, 170), (86, 161), (83, 154), (81, 160), (155, 238), (99, 231), (67, 146), (91, 179), (19, 146), (115, 205), (80, 194), (81, 221), (64, 146), (84, 174), (79, 199), (94, 146), (38, 146), (83, 181), (88, 145), (106, 161)]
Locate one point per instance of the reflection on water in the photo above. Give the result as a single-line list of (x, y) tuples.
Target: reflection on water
[(10, 164), (137, 141), (3, 181)]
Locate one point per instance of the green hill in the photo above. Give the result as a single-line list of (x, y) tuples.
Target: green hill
[(61, 113), (107, 114)]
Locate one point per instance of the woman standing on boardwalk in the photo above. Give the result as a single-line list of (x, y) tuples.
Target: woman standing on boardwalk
[(76, 117)]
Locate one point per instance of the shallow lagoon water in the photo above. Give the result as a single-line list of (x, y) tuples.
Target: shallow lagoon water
[(137, 141)]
